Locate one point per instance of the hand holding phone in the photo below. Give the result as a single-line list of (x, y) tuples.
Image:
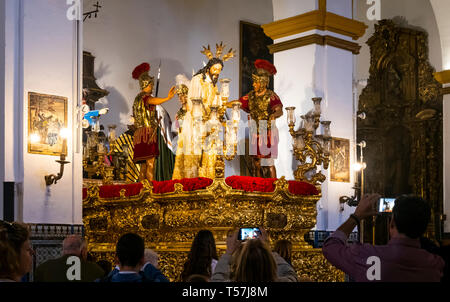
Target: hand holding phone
[(367, 206), (385, 205), (249, 233)]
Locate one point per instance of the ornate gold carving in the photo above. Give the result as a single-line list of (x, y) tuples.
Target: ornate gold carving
[(403, 128), (168, 222), (313, 265)]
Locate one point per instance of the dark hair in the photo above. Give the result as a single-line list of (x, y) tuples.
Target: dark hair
[(255, 263), (12, 237), (208, 66), (197, 278), (411, 215), (130, 249), (106, 266), (284, 249), (203, 251)]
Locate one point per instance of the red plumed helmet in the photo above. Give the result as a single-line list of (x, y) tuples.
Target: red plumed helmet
[(266, 65), (139, 70)]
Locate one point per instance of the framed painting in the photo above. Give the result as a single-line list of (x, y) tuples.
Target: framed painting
[(253, 45), (47, 115), (340, 160)]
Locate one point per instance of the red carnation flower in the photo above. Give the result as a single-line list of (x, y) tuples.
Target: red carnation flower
[(144, 67), (266, 65)]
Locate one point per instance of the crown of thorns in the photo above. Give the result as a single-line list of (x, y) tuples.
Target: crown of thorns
[(219, 50)]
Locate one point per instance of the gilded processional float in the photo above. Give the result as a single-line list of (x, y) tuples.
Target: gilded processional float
[(133, 196)]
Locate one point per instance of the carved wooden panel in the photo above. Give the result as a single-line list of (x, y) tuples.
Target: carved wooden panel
[(403, 127)]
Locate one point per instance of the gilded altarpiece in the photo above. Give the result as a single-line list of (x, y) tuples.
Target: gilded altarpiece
[(403, 124), (169, 222)]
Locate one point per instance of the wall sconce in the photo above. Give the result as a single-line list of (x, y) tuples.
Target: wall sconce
[(52, 178)]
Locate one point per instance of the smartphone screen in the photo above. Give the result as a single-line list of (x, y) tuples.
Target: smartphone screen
[(249, 233), (385, 205)]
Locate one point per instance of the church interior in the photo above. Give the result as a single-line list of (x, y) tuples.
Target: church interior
[(167, 117)]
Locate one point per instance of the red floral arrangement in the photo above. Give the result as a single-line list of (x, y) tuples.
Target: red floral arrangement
[(111, 191), (266, 65), (257, 184), (189, 184), (144, 67), (246, 183)]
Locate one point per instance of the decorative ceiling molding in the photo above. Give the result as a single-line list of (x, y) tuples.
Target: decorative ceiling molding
[(443, 77), (319, 19), (316, 39)]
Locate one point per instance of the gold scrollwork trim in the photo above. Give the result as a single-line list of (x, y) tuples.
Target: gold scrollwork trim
[(317, 19), (443, 77), (316, 39)]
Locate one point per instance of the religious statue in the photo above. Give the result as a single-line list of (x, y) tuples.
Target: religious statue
[(184, 160), (263, 106), (202, 154), (145, 141)]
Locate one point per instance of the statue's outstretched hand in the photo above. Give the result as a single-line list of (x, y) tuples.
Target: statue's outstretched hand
[(172, 92)]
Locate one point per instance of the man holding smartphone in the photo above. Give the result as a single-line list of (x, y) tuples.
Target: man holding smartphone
[(401, 260)]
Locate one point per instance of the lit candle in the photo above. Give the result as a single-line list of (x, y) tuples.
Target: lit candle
[(236, 113), (64, 133), (225, 89), (64, 147)]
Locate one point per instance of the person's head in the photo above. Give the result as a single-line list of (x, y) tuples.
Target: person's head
[(410, 216), (74, 245), (15, 250), (261, 77), (203, 251), (151, 257), (212, 69), (255, 263), (284, 249), (130, 250), (197, 278), (140, 73)]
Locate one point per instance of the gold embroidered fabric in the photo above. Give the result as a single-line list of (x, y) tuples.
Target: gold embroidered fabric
[(144, 116), (196, 157)]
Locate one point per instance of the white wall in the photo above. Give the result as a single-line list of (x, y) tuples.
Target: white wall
[(127, 33), (441, 9), (446, 166), (2, 107), (283, 9), (48, 66), (316, 71)]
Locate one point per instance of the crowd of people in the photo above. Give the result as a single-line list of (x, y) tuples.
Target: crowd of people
[(407, 256)]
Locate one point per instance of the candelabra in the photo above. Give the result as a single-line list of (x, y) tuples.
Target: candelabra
[(310, 149), (209, 122)]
